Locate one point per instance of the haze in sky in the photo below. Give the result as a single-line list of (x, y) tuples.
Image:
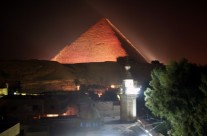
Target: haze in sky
[(164, 31)]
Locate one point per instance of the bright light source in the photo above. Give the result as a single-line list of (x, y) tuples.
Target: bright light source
[(52, 115), (23, 94), (17, 93), (127, 67), (34, 94), (99, 94), (113, 86), (129, 85), (78, 87)]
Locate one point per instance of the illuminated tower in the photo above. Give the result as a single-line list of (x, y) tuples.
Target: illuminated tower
[(128, 97)]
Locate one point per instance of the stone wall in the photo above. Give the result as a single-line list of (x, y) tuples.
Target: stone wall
[(108, 109)]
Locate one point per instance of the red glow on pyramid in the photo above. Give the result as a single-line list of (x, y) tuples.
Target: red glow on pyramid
[(98, 44)]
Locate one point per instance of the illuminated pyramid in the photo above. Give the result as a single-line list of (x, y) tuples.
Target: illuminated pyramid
[(100, 43)]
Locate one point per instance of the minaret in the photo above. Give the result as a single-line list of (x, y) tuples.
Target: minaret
[(128, 97)]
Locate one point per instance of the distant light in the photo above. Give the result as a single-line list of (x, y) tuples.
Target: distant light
[(35, 94), (52, 115), (23, 94), (64, 114), (78, 87), (17, 93), (127, 67), (99, 94), (113, 86)]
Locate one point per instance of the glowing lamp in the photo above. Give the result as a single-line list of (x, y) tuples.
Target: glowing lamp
[(113, 86), (51, 115), (23, 94), (129, 87)]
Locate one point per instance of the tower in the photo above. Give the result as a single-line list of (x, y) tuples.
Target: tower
[(128, 97)]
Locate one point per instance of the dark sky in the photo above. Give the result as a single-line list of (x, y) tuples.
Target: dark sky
[(167, 30)]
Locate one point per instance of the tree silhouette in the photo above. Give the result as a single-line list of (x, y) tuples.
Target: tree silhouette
[(178, 93)]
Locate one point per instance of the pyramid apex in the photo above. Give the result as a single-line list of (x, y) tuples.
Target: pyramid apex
[(103, 19)]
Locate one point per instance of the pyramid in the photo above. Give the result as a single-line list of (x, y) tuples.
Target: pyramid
[(100, 43)]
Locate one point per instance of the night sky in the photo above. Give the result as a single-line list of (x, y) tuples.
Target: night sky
[(167, 30)]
